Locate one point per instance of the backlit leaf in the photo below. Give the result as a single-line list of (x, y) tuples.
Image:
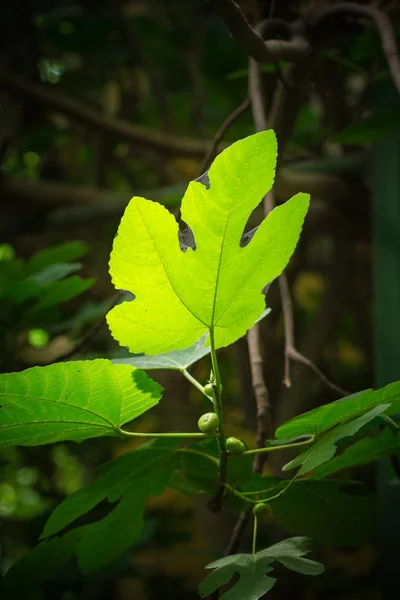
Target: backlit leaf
[(72, 401), (181, 295)]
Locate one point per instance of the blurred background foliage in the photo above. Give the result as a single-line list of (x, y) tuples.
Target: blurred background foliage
[(103, 100)]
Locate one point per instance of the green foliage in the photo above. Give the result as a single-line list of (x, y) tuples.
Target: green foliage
[(32, 291), (328, 416), (188, 299), (371, 129), (72, 401), (217, 288), (321, 510), (325, 512), (252, 569), (324, 447), (362, 452)]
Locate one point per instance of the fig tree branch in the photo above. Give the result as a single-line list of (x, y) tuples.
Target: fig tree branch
[(251, 41)]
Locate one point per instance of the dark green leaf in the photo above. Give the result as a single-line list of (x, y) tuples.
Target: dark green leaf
[(24, 577), (55, 273), (104, 541), (324, 448), (363, 452), (62, 291), (63, 253), (324, 512), (325, 417), (143, 471), (252, 568)]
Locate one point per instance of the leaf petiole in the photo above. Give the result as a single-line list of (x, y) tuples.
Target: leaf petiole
[(171, 435), (310, 440), (254, 535), (194, 382)]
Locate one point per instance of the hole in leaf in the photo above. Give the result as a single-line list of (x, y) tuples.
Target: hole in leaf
[(204, 180)]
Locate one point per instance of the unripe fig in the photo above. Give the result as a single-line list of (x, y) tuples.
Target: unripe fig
[(209, 390), (235, 446), (208, 423), (260, 509)]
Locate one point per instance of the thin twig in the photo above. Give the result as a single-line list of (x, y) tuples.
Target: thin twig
[(237, 532), (290, 350), (230, 119), (291, 353), (383, 25), (262, 51)]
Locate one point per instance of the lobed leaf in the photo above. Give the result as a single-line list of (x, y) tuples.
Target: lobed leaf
[(141, 472), (362, 452), (253, 582), (72, 401), (216, 286), (325, 417), (324, 448)]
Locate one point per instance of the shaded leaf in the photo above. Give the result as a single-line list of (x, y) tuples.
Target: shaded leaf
[(176, 359), (141, 472), (24, 578), (324, 448), (253, 582), (363, 452), (179, 296), (104, 541), (325, 417), (72, 401), (63, 253), (55, 273), (324, 512)]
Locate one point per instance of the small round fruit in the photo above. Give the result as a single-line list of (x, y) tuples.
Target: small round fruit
[(208, 423), (260, 509), (235, 446), (209, 390)]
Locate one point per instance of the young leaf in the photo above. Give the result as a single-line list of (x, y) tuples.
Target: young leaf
[(141, 472), (325, 417), (181, 295), (252, 568), (72, 401), (325, 445)]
